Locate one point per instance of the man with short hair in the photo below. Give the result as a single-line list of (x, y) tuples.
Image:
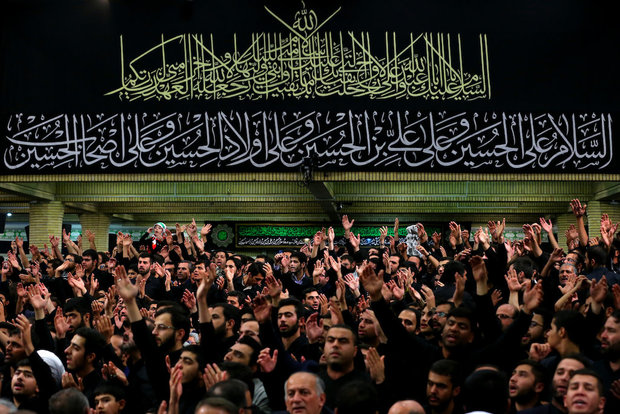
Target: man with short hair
[(69, 400), (347, 264), (90, 265), (32, 382), (394, 262), (109, 399), (367, 330), (82, 357), (559, 384), (245, 351), (565, 336), (216, 405), (219, 258), (255, 279), (440, 317), (236, 299), (251, 329), (304, 393), (184, 271), (585, 393), (443, 386), (596, 261), (192, 363), (526, 385), (409, 318), (14, 348), (426, 325), (458, 332), (487, 391), (609, 366), (234, 277), (77, 313), (339, 352), (538, 326), (311, 299), (154, 288), (225, 320), (294, 278), (171, 329), (289, 320)]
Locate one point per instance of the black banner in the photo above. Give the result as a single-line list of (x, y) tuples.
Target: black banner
[(191, 86), (244, 141)]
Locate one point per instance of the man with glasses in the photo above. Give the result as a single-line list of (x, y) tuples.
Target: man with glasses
[(541, 319), (165, 341), (506, 315)]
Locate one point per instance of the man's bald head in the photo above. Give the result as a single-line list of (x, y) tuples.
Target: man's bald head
[(406, 407)]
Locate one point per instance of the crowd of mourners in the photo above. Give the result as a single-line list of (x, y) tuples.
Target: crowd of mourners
[(444, 323)]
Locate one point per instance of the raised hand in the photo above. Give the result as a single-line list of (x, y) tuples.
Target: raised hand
[(206, 229), (375, 365), (396, 224), (455, 231), (335, 264), (459, 292), (546, 226), (189, 300), (274, 286), (60, 323), (317, 239), (25, 327), (93, 285), (176, 384), (105, 328), (346, 224), (422, 235), (355, 241), (179, 229), (77, 284), (532, 297), (538, 352), (192, 228), (159, 270), (266, 361), (557, 255), (262, 309), (352, 282), (372, 282), (483, 236), (398, 292), (112, 372), (615, 290), (512, 280), (37, 300), (124, 287), (479, 268), (598, 290), (496, 297), (314, 328), (331, 235), (579, 210), (54, 241), (90, 236), (429, 296), (383, 234), (68, 381), (97, 309), (127, 241)]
